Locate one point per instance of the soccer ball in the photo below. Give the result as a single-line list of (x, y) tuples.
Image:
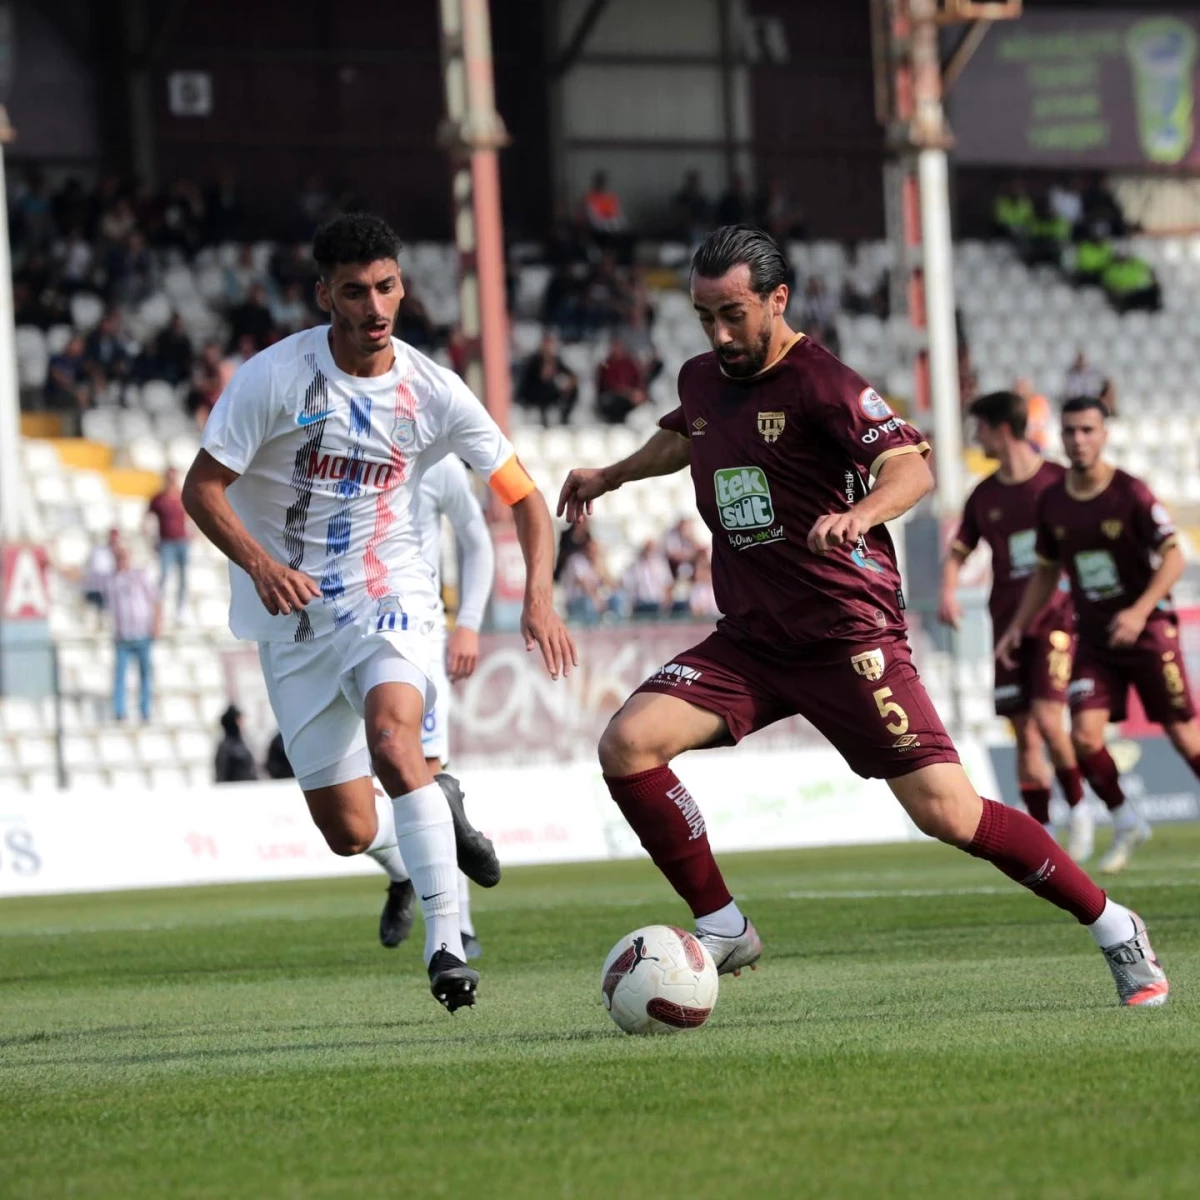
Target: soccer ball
[(659, 979)]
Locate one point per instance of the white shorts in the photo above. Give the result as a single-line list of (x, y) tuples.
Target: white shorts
[(435, 734), (317, 690)]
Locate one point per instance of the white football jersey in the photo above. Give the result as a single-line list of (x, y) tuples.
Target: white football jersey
[(329, 468), (446, 492)]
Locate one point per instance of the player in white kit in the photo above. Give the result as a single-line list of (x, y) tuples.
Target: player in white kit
[(306, 481), (446, 492)]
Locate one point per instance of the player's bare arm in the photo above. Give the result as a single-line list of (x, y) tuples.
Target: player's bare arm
[(541, 626), (664, 454), (949, 609), (281, 589), (1126, 627), (902, 481), (1038, 592)]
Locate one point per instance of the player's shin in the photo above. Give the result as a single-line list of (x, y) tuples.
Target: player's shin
[(1017, 845), (425, 835), (1037, 803), (1070, 779), (670, 826), (1101, 772), (383, 848)]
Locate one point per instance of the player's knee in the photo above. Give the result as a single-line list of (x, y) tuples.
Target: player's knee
[(347, 839), (1086, 743), (397, 758), (625, 750)]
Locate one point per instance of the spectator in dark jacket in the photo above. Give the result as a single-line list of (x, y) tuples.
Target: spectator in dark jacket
[(277, 763), (235, 763)]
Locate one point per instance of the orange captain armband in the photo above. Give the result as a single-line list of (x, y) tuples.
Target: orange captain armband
[(511, 482)]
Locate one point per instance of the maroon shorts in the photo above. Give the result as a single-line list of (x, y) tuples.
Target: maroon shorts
[(865, 697), (1102, 677), (1042, 672)]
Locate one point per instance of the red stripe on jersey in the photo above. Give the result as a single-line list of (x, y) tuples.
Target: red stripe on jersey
[(376, 571)]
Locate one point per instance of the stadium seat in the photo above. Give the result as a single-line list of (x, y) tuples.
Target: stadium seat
[(86, 311), (57, 337)]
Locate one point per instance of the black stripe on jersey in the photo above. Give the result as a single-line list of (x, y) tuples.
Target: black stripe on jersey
[(316, 404), (304, 629)]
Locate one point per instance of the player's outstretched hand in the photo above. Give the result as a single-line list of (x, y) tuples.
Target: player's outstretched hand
[(1007, 647), (462, 653), (1125, 628), (835, 531), (281, 589), (542, 627), (950, 611), (582, 486)]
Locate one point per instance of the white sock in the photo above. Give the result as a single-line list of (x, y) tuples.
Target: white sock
[(725, 922), (384, 849), (1112, 926), (464, 905), (425, 834)]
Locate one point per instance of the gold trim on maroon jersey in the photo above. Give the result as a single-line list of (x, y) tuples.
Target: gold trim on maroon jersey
[(921, 448)]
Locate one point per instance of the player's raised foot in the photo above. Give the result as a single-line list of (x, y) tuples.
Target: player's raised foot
[(476, 855), (396, 920), (1081, 833), (1141, 981), (1125, 841), (471, 946), (451, 981), (731, 954)]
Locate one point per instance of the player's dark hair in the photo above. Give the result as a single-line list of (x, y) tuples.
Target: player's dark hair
[(353, 238), (1078, 404), (1002, 408), (731, 246)]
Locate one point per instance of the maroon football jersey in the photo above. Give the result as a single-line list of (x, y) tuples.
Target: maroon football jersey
[(1106, 544), (770, 455), (1005, 516)]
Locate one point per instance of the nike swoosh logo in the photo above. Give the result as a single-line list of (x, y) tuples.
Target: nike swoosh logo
[(434, 896), (303, 419)]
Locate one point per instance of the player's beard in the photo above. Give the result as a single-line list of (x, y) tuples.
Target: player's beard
[(755, 355)]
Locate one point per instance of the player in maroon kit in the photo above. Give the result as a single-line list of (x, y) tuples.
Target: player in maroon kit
[(1002, 511), (781, 438), (1117, 545)]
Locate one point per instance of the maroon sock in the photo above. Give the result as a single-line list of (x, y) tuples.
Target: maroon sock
[(1037, 803), (1101, 772), (1070, 779), (1024, 851), (670, 826), (1194, 763)]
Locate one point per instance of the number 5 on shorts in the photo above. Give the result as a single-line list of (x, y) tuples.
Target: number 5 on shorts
[(889, 708)]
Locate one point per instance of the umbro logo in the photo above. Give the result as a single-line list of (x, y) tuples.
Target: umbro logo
[(698, 427)]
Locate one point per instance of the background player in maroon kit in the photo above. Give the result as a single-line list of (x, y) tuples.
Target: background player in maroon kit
[(1002, 511), (781, 438), (1118, 547)]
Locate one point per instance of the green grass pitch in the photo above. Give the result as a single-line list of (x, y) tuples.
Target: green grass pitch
[(918, 1027)]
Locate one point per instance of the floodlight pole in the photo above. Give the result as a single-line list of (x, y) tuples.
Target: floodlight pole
[(472, 133), (11, 514)]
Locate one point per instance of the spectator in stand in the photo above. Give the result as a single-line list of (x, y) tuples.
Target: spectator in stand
[(820, 313), (562, 301), (98, 571), (573, 540), (167, 510), (547, 384), (606, 296), (234, 761), (1037, 409), (701, 600), (1084, 380), (734, 206), (1093, 254), (289, 313), (223, 213), (38, 272), (277, 765), (41, 310), (313, 205), (648, 583), (587, 587), (132, 272), (1130, 285), (171, 353), (117, 222), (294, 264), (244, 350), (67, 379), (1047, 238), (252, 319), (776, 212), (601, 212), (241, 276), (106, 354), (1101, 210), (691, 210), (74, 255), (208, 382), (182, 218), (681, 548), (1066, 202), (134, 602), (620, 384), (1012, 213), (33, 216)]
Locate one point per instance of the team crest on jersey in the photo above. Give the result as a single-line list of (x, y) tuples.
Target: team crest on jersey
[(995, 514), (869, 664), (1059, 533), (874, 406), (404, 432), (1111, 529), (770, 425)]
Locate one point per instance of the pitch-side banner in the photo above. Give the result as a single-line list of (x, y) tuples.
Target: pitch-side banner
[(75, 842), (1058, 88)]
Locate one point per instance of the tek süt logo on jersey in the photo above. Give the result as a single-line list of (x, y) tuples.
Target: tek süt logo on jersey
[(745, 507)]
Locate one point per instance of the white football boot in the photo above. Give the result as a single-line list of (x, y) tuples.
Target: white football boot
[(731, 954), (1141, 981), (1130, 831), (1081, 833)]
